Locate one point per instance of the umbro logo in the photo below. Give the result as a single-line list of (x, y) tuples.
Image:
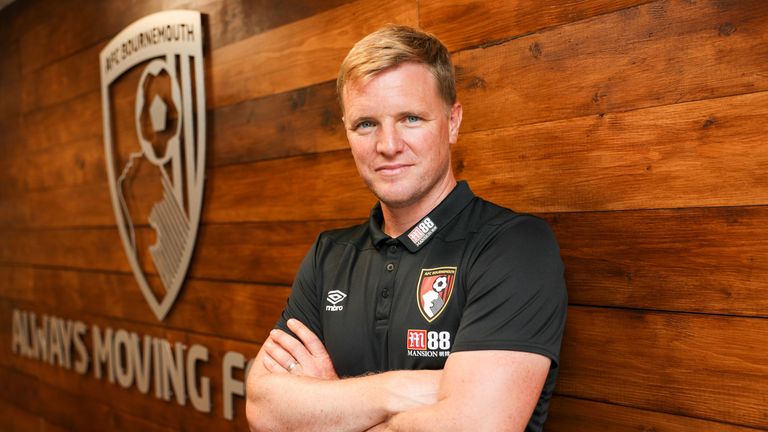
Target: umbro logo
[(334, 298)]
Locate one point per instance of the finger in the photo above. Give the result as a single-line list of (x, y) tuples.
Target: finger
[(277, 353), (289, 344), (309, 338), (271, 365)]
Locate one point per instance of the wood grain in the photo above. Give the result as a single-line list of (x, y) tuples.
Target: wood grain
[(704, 153), (468, 23), (10, 68), (305, 46), (73, 76), (576, 415), (13, 418), (58, 409), (666, 52), (699, 260), (73, 28), (94, 22), (88, 205), (320, 186), (228, 310), (648, 259), (311, 49), (10, 120), (117, 405), (303, 121), (65, 166), (230, 22), (10, 71), (701, 366), (263, 252), (314, 187), (635, 127), (53, 129)]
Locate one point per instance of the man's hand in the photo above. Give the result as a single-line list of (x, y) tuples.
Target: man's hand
[(310, 397), (303, 357)]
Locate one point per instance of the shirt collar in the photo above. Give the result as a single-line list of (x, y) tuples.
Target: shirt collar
[(420, 233)]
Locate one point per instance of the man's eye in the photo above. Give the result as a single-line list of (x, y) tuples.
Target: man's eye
[(365, 124), (412, 119)]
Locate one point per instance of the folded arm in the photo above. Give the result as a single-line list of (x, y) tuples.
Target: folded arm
[(310, 397), (480, 391), (477, 390)]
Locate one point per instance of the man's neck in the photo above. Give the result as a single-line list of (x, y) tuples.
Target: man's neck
[(398, 219)]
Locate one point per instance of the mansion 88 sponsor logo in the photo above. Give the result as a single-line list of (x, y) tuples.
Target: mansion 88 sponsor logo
[(423, 343)]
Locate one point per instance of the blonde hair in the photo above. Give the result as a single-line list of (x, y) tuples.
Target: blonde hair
[(391, 46)]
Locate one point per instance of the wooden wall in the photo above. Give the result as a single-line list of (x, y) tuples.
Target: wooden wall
[(636, 127)]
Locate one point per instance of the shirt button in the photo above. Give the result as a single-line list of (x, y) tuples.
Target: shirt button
[(385, 293), (393, 249), (390, 267)]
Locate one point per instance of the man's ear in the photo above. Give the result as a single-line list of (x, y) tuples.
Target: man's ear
[(454, 122)]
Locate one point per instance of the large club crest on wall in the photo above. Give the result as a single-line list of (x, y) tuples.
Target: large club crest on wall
[(153, 100)]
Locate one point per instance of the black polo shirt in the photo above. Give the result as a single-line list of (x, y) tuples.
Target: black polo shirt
[(469, 276)]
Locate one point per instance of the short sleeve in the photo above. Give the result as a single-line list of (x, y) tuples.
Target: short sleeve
[(303, 303), (516, 297)]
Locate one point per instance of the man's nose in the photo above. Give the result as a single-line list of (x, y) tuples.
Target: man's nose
[(390, 141)]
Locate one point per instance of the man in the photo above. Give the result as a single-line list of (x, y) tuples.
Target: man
[(443, 312)]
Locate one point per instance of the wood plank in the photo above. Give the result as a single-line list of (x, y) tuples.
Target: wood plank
[(481, 69), (689, 365), (73, 28), (230, 22), (54, 128), (263, 253), (296, 122), (328, 187), (665, 53), (569, 414), (9, 134), (62, 410), (13, 418), (305, 47), (227, 310), (320, 186), (120, 401), (702, 366), (8, 14), (70, 77), (705, 153), (468, 23), (10, 119), (307, 120), (94, 22), (299, 54), (673, 156), (88, 205), (10, 68), (698, 260), (9, 103), (71, 165), (648, 259)]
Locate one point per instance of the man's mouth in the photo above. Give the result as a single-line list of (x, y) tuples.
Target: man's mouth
[(392, 169)]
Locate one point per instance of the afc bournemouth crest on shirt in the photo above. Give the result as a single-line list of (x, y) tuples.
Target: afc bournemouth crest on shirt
[(434, 291), (153, 101)]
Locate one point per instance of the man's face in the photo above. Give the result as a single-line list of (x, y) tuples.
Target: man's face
[(400, 131)]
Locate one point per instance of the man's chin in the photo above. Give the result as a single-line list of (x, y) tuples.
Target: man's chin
[(396, 199)]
